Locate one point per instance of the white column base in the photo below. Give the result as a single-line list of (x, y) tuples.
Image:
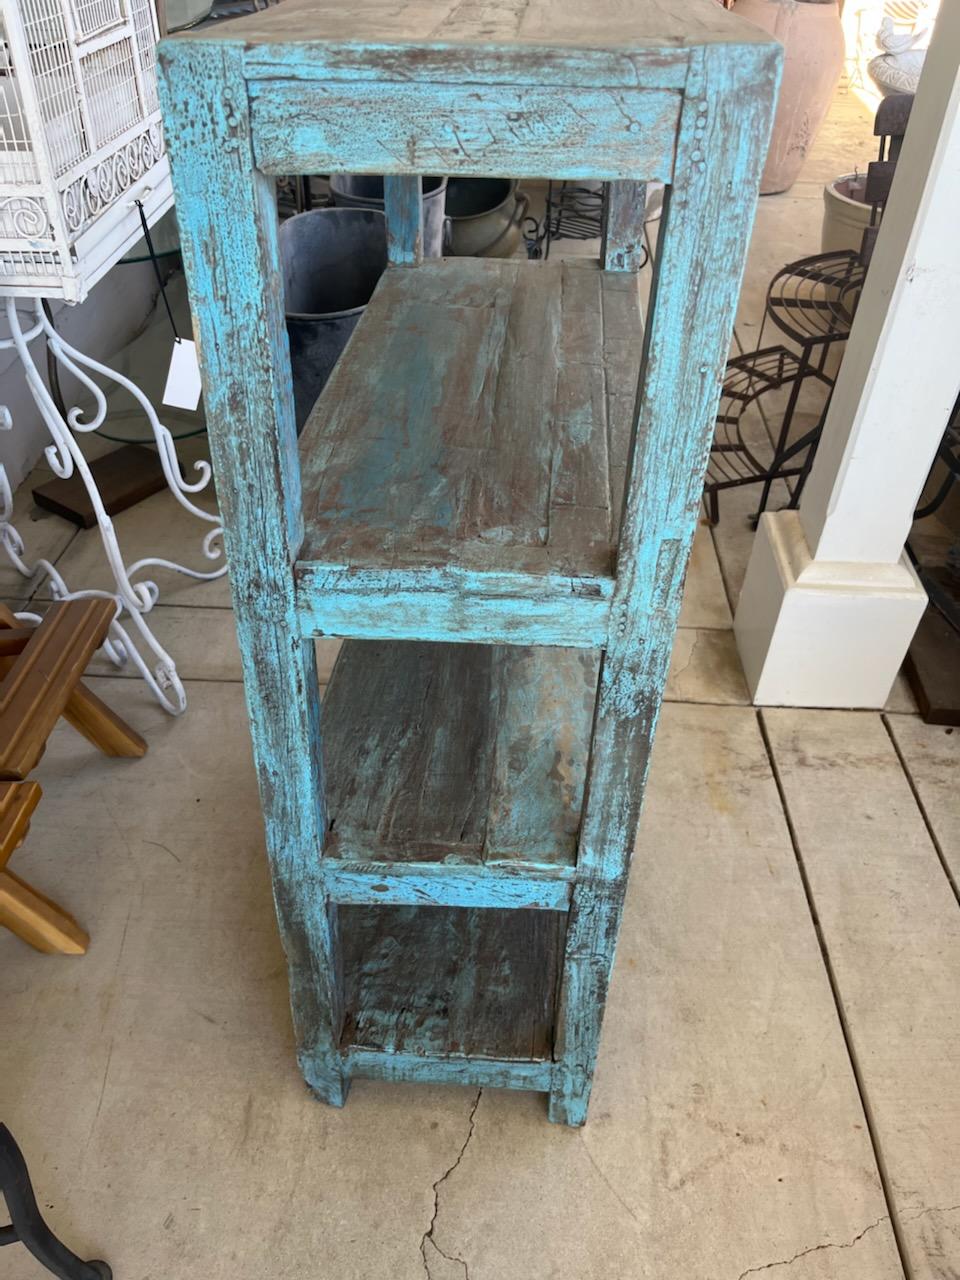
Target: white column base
[(818, 633)]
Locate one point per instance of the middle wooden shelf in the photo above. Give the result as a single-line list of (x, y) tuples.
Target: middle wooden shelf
[(454, 773), (464, 467)]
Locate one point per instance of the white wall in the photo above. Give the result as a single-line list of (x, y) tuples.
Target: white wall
[(113, 313)]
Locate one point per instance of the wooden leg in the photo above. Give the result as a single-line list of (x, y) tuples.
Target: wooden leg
[(248, 398), (37, 920), (591, 942), (101, 726), (280, 676)]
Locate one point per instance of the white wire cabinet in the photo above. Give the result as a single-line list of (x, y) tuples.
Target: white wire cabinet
[(80, 141)]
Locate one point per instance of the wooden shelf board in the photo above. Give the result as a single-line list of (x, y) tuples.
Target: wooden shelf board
[(444, 760), (450, 983), (471, 446)]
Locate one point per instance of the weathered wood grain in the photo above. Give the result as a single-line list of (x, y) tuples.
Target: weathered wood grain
[(890, 924), (431, 128), (449, 982), (441, 884), (455, 603), (228, 213), (403, 203), (422, 1068), (533, 42), (622, 247), (457, 754), (481, 475), (724, 126)]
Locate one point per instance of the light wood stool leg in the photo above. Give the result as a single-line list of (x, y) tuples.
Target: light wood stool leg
[(38, 920), (102, 726)]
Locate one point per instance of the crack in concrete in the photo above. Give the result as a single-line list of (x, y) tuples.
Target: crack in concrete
[(786, 1262), (428, 1234), (815, 1248), (606, 1181)]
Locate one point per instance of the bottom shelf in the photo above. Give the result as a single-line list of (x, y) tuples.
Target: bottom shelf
[(447, 992)]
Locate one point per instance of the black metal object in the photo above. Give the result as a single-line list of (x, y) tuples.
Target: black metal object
[(890, 124), (27, 1225), (812, 302), (571, 212)]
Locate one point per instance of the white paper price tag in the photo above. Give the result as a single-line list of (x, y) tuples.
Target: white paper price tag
[(183, 379)]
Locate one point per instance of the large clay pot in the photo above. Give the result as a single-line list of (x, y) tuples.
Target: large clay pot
[(812, 37)]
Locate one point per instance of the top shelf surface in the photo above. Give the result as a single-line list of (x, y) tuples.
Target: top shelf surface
[(634, 44), (539, 24)]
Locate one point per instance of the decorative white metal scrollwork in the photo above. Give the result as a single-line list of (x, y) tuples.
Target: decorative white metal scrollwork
[(25, 216), (100, 186), (135, 594)]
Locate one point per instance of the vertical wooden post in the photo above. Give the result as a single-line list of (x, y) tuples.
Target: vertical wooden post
[(708, 215), (227, 214), (622, 248), (403, 202)]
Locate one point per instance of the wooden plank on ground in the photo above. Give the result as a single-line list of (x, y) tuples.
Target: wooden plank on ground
[(726, 1139), (932, 756), (892, 929)]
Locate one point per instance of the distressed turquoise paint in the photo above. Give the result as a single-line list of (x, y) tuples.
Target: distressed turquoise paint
[(231, 257), (451, 604), (410, 885), (704, 234), (623, 247), (403, 201), (488, 130), (694, 108), (486, 1073)]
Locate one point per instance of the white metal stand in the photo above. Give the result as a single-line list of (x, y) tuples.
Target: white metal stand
[(135, 595)]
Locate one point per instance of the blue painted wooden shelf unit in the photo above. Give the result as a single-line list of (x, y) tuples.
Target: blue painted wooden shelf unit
[(492, 502)]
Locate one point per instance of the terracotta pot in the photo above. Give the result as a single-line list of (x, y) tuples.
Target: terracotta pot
[(812, 37)]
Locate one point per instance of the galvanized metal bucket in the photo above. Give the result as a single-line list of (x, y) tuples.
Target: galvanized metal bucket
[(332, 260), (485, 216), (361, 191)]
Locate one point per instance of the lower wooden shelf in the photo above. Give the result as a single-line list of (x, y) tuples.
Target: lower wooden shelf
[(451, 993), (454, 774)]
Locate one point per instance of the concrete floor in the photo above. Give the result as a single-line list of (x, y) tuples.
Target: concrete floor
[(777, 1090)]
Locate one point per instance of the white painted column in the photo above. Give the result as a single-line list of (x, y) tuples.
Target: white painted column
[(830, 603)]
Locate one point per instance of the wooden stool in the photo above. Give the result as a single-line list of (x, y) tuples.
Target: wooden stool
[(27, 913), (40, 670)]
